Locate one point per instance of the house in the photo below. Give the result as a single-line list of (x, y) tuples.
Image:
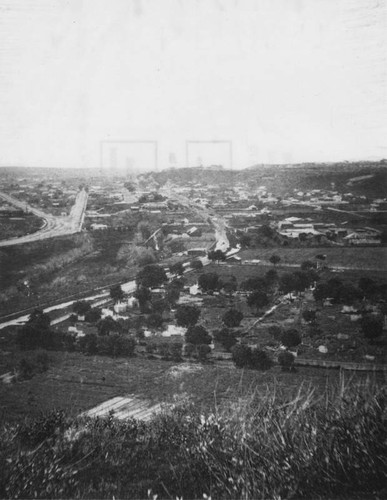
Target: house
[(98, 227), (363, 237)]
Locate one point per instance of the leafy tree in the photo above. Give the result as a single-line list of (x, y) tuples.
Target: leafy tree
[(177, 268), (307, 265), (81, 307), (143, 295), (275, 331), (107, 325), (217, 255), (155, 320), (241, 355), (144, 229), (232, 318), (350, 294), (246, 357), (36, 332), (286, 361), (309, 316), (372, 327), (226, 337), (196, 264), (88, 343), (93, 315), (229, 287), (203, 351), (287, 283), (187, 315), (116, 293), (290, 338), (321, 292), (208, 281), (151, 275), (271, 276), (275, 259), (197, 335), (254, 283), (257, 300), (259, 360), (244, 240)]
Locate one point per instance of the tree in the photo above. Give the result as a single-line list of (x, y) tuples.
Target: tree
[(241, 355), (275, 259), (307, 265), (290, 338), (93, 315), (257, 300), (151, 275), (196, 264), (197, 335), (275, 331), (155, 320), (321, 292), (144, 229), (372, 327), (254, 283), (116, 293), (271, 276), (108, 325), (172, 294), (208, 281), (350, 294), (232, 318), (36, 332), (286, 361), (309, 316), (187, 315), (177, 268), (81, 307), (203, 351), (259, 360), (226, 337), (216, 255), (143, 295), (287, 283)]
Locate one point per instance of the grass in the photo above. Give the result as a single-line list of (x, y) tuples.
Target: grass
[(259, 444), (365, 257), (76, 382)]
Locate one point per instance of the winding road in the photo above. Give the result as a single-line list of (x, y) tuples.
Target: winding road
[(54, 226)]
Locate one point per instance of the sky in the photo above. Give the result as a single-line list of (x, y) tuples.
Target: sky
[(150, 84)]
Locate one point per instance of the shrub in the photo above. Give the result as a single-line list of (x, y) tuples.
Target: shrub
[(290, 338), (275, 331), (241, 355), (81, 307), (187, 315), (226, 337), (197, 335), (232, 317), (259, 360), (286, 361), (372, 328), (154, 320), (203, 351)]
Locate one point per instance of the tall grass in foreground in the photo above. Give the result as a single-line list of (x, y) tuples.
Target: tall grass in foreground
[(260, 446)]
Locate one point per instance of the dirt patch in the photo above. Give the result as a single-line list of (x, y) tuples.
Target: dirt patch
[(178, 371)]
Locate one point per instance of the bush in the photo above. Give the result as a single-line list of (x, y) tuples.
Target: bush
[(28, 367), (290, 338), (187, 315), (203, 351), (371, 327), (275, 331), (154, 320), (259, 360), (286, 361), (81, 307), (260, 446), (226, 337), (241, 355), (197, 335), (93, 316), (232, 318)]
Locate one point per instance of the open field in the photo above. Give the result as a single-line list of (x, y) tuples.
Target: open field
[(362, 258), (77, 383)]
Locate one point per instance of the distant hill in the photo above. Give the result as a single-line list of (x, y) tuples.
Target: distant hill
[(370, 177)]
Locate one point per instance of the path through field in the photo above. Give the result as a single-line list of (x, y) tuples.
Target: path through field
[(125, 407)]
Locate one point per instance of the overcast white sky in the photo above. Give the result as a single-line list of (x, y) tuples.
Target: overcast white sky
[(283, 80)]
